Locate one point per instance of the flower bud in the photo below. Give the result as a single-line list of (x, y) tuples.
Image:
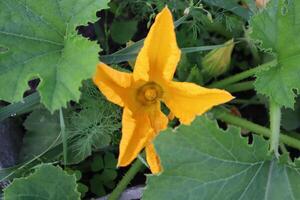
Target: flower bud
[(217, 61), (261, 3)]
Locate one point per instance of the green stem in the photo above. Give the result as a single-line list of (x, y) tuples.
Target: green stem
[(246, 101), (283, 148), (64, 135), (237, 77), (275, 117), (134, 169), (222, 114), (239, 87)]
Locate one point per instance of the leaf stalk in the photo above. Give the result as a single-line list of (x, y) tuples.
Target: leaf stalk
[(240, 76), (275, 117), (223, 115)]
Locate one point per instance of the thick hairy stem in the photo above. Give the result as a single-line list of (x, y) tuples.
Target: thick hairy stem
[(275, 117), (64, 136), (239, 87), (224, 115), (134, 169)]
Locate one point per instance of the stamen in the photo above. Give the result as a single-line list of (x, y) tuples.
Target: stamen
[(149, 93)]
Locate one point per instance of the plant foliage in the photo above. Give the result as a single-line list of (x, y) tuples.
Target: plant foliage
[(202, 161), (277, 28), (47, 182), (43, 43)]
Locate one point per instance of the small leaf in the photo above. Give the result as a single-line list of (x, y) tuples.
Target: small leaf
[(110, 161), (202, 161), (83, 189), (123, 31), (110, 185), (97, 186), (76, 173), (231, 5), (97, 164), (47, 182), (108, 175)]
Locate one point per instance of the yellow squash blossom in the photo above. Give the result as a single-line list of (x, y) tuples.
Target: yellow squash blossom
[(140, 93)]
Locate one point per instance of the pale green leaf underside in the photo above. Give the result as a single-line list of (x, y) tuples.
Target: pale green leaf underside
[(278, 28), (42, 42), (47, 182), (202, 161)]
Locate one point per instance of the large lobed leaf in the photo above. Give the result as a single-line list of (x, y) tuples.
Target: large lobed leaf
[(41, 41), (202, 161), (277, 28), (47, 182)]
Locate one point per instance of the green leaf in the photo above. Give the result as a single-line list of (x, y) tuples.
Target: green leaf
[(27, 104), (97, 186), (277, 28), (231, 5), (43, 131), (97, 163), (83, 189), (291, 118), (76, 173), (42, 42), (110, 161), (47, 182), (202, 161), (93, 126), (108, 175), (123, 31)]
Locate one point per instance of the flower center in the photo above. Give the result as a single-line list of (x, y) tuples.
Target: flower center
[(149, 93)]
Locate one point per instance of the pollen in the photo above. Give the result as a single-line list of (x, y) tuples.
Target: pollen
[(149, 93)]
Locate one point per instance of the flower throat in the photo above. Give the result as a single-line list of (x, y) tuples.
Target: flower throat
[(149, 93)]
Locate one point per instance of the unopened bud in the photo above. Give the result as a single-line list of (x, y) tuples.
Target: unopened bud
[(261, 3), (217, 61), (186, 11)]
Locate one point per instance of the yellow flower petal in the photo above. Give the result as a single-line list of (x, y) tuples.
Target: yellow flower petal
[(141, 92), (186, 100), (160, 54), (139, 128), (152, 159), (159, 121), (112, 83), (136, 133)]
